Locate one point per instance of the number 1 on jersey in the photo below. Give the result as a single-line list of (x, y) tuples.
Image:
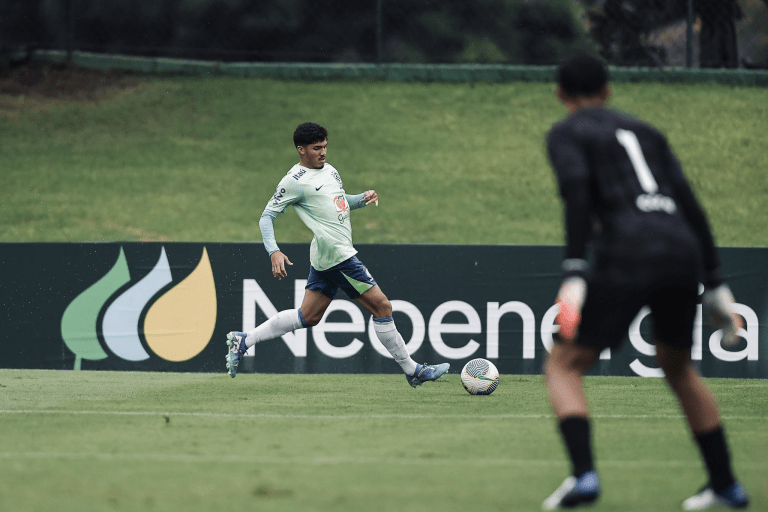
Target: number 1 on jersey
[(629, 140)]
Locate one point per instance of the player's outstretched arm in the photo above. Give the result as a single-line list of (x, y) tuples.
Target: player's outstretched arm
[(362, 200), (371, 196), (279, 261)]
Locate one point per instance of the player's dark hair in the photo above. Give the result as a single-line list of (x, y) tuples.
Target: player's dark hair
[(582, 74), (309, 133)]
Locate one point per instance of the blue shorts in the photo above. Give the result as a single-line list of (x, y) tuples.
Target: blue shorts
[(349, 275)]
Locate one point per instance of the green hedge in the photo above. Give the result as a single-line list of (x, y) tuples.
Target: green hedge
[(394, 72)]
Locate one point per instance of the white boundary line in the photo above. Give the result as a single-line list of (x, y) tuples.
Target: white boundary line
[(340, 459), (350, 416)]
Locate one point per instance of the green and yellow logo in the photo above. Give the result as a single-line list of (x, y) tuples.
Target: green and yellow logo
[(177, 326)]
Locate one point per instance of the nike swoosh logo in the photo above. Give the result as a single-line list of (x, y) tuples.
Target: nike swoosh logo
[(321, 186)]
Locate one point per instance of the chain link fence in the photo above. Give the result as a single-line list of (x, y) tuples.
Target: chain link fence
[(644, 33)]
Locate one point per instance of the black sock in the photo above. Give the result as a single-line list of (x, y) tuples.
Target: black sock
[(576, 434), (714, 450)]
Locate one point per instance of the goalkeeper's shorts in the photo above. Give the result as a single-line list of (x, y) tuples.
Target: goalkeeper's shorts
[(610, 308)]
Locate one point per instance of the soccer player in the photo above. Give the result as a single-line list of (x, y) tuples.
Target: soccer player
[(315, 189), (624, 193)]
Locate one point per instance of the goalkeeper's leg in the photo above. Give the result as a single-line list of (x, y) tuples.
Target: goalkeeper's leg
[(701, 411), (564, 371)]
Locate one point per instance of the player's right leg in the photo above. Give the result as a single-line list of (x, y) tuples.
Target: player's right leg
[(701, 411), (605, 316), (564, 371), (311, 312), (674, 311)]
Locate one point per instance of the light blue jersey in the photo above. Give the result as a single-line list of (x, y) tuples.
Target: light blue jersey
[(319, 198)]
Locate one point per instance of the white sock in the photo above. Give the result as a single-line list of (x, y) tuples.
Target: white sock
[(282, 323), (393, 342)]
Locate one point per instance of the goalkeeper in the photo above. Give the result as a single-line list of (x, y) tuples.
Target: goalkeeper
[(625, 193), (315, 189)]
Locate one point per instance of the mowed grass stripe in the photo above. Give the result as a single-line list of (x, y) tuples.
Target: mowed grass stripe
[(357, 416), (343, 459)]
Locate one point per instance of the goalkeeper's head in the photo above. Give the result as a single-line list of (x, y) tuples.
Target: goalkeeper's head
[(582, 80)]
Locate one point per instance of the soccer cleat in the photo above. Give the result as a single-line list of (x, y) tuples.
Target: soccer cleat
[(734, 496), (237, 348), (574, 492), (425, 372)]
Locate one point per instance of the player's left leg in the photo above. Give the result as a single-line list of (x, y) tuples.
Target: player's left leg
[(700, 408), (673, 313), (379, 306)]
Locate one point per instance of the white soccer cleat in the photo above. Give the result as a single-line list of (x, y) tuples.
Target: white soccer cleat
[(734, 496), (427, 372), (237, 348), (574, 492)]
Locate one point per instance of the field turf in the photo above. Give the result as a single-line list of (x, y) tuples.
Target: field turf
[(96, 441), (189, 159)]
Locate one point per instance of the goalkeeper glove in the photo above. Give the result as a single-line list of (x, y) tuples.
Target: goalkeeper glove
[(720, 307), (573, 291)]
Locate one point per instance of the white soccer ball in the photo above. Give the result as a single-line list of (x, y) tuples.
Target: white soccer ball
[(480, 377)]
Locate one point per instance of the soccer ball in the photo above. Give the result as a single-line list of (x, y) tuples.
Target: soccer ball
[(479, 377)]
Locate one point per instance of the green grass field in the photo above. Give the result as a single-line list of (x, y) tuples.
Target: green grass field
[(197, 159), (95, 441)]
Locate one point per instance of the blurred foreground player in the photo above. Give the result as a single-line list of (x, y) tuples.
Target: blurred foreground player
[(624, 191), (315, 189)]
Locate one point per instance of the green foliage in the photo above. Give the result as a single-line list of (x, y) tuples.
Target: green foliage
[(512, 31), (482, 31), (128, 441), (753, 32)]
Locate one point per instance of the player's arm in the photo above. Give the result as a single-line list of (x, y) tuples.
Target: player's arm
[(718, 301), (571, 169), (696, 217), (279, 260), (362, 200), (286, 194)]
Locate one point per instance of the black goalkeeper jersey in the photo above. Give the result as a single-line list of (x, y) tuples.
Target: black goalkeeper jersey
[(625, 193)]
